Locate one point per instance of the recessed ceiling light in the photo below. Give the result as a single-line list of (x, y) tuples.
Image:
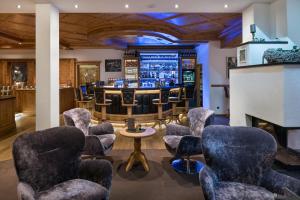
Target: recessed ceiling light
[(176, 6), (126, 6), (76, 6), (19, 6), (226, 6)]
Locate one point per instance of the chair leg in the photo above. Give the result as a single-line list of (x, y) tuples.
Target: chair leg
[(187, 166)]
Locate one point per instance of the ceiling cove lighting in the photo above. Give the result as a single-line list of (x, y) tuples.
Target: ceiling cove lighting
[(176, 6), (126, 5), (226, 6), (19, 6), (76, 6)]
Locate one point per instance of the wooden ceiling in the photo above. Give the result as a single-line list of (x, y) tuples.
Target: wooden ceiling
[(122, 30)]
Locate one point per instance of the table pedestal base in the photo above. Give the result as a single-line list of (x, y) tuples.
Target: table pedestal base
[(137, 155)]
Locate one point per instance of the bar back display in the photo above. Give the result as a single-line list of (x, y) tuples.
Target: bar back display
[(159, 68)]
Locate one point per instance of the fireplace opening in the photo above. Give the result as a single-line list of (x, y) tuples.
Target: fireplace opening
[(285, 155)]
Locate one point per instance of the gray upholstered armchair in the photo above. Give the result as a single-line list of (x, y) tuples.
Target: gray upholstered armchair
[(99, 139), (48, 166), (239, 161), (183, 142)]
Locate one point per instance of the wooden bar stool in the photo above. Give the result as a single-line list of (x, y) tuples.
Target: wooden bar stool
[(100, 100), (128, 100), (188, 94), (163, 100), (174, 99), (82, 99)]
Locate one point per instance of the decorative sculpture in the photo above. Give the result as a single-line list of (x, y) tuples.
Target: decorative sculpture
[(253, 31), (282, 56)]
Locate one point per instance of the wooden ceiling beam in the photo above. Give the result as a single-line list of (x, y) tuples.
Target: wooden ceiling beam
[(10, 38), (212, 21), (64, 45), (235, 27), (138, 27), (207, 21)]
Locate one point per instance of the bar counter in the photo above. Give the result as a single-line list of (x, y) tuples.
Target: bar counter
[(144, 111), (25, 100), (7, 114)]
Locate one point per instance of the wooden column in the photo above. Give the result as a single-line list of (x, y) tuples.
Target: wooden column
[(198, 83)]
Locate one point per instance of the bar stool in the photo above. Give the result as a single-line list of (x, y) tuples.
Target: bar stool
[(163, 100), (174, 99), (82, 99), (188, 94), (100, 100), (128, 100)]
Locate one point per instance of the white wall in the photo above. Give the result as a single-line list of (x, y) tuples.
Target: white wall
[(213, 60), (278, 19), (80, 55), (203, 58), (258, 14), (293, 17), (218, 102)]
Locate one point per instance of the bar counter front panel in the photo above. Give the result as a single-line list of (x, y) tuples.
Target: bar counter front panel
[(26, 100), (7, 114), (144, 96), (145, 110)]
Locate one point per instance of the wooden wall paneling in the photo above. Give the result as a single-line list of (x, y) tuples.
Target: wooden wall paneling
[(66, 99), (7, 114), (3, 73), (198, 85), (31, 73), (67, 71), (26, 101)]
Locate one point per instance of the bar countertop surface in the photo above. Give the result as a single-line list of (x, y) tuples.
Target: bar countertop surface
[(6, 97)]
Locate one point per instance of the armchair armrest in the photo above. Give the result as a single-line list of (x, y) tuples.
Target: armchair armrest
[(98, 171), (93, 146), (179, 130), (75, 189), (209, 181), (277, 182), (189, 145), (25, 191), (101, 129)]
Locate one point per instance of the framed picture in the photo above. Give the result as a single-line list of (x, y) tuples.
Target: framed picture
[(230, 63), (113, 65), (19, 72)]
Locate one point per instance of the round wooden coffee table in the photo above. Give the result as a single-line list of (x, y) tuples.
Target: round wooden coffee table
[(137, 154)]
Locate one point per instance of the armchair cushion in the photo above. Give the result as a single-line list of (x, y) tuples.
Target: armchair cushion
[(240, 191), (189, 145), (172, 142), (76, 189), (276, 182), (208, 180), (101, 129), (107, 140), (197, 119), (98, 144), (25, 191), (98, 171), (78, 117), (179, 130)]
